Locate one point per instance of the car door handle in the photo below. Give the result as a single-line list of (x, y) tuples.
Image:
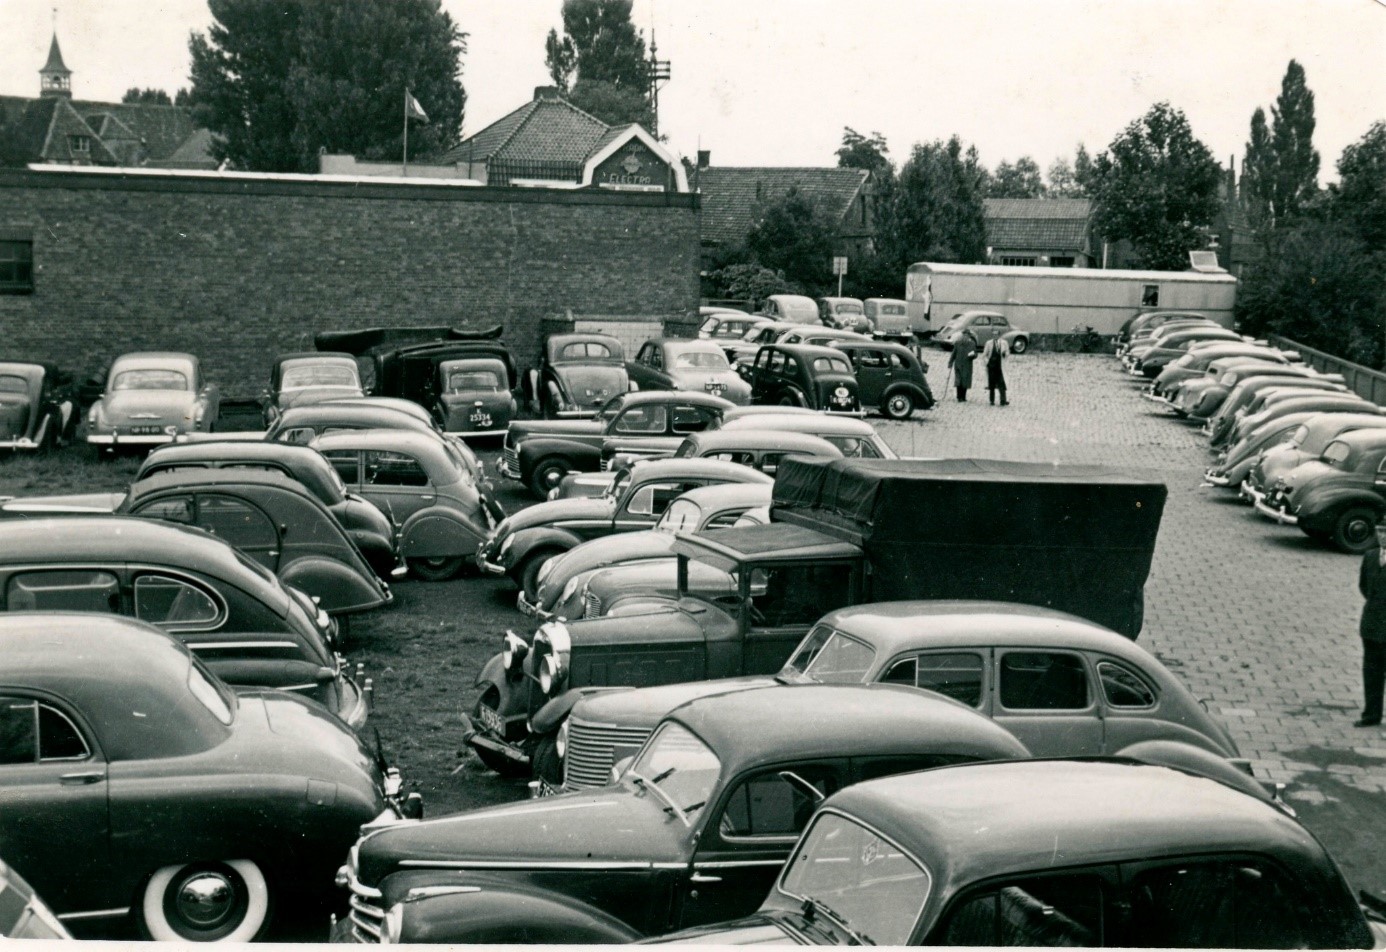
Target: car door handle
[(704, 878), (81, 779)]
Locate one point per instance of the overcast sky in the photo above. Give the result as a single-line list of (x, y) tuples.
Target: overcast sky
[(773, 82)]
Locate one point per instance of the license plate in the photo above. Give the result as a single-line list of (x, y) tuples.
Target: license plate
[(146, 430), (490, 720), (711, 387), (484, 419)]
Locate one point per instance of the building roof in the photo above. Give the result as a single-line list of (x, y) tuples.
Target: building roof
[(1060, 224), (545, 129), (733, 198), (55, 62), (124, 134)]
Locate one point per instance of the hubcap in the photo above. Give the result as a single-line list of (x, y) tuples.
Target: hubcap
[(206, 899), (1359, 530)]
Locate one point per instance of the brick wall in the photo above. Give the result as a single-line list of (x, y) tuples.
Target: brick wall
[(239, 268)]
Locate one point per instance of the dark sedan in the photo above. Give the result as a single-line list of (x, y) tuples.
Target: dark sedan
[(38, 406), (577, 375), (800, 375), (134, 784)]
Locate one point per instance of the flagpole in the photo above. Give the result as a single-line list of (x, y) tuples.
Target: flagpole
[(405, 163)]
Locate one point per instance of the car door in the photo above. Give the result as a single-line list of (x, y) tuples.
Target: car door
[(1132, 706), (644, 370), (782, 602), (873, 374), (395, 482), (687, 418), (1046, 698), (962, 674), (645, 503), (54, 813), (747, 836), (347, 463), (241, 524)]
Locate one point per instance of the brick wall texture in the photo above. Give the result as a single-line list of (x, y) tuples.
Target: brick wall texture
[(238, 270)]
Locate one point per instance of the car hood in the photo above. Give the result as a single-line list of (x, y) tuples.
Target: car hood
[(753, 930), (1309, 472), (14, 415), (591, 386), (556, 510), (600, 553), (167, 405), (306, 396), (530, 428), (645, 707), (76, 503), (608, 824)]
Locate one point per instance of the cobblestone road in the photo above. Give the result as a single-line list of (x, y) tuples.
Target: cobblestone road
[(1259, 620)]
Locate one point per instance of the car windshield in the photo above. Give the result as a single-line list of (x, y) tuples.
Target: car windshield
[(460, 380), (848, 307), (12, 384), (1186, 360), (830, 657), (683, 768), (831, 365), (618, 485), (682, 516), (211, 693), (303, 376), (858, 878), (1337, 454), (753, 333), (150, 380), (701, 360)]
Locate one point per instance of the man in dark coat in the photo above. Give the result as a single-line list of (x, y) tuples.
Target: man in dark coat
[(1371, 580), (964, 350)]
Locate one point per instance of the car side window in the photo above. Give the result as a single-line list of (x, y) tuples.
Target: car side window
[(31, 732), (237, 522), (957, 675), (723, 520), (653, 498), (175, 604), (767, 804), (648, 418), (791, 366), (81, 590), (298, 434), (170, 509), (897, 362), (872, 359), (1062, 910), (792, 595), (1228, 904), (347, 463), (777, 359), (1123, 687), (690, 419), (1042, 680), (393, 469)]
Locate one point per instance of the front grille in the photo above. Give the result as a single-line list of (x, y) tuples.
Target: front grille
[(591, 605), (606, 464), (589, 756), (512, 459)]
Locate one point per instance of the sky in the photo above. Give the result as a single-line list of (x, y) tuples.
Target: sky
[(774, 82)]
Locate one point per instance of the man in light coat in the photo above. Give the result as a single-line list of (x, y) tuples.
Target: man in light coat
[(994, 355)]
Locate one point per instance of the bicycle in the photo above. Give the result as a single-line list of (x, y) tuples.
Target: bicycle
[(1087, 339)]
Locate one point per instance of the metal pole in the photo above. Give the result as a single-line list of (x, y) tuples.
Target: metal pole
[(404, 165), (839, 284)]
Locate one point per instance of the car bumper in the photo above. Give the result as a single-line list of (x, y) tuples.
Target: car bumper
[(468, 434), (1216, 478), (1249, 492), (475, 736), (20, 444), (142, 439), (533, 610), (503, 467), (1275, 514), (487, 566), (356, 703)]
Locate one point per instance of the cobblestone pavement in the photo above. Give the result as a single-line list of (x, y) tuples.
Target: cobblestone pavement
[(1259, 620)]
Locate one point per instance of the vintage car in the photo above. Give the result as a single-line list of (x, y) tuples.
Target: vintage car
[(890, 377), (250, 628), (1055, 853), (150, 398), (267, 516), (1337, 498), (473, 399), (855, 438), (1148, 320), (38, 406), (425, 487), (984, 325), (694, 831), (402, 361), (540, 453), (578, 374), (1199, 398), (296, 380), (1099, 692), (1148, 360), (791, 308), (817, 336), (363, 521), (23, 915), (889, 319), (637, 497), (799, 375), (1197, 363), (1307, 442), (675, 363), (1244, 390), (1147, 336), (135, 785), (847, 313), (563, 578), (1278, 401), (723, 324), (743, 351), (1234, 465)]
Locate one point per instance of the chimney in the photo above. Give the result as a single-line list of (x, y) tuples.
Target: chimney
[(547, 92), (704, 158)]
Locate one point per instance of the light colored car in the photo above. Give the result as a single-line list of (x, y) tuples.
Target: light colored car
[(151, 397), (297, 380), (847, 313), (889, 319), (984, 325), (852, 435), (726, 324), (676, 363)]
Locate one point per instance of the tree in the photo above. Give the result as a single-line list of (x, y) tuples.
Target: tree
[(934, 212), (1021, 180), (1258, 174), (862, 152), (1292, 134), (795, 238), (1155, 186), (1359, 198), (278, 80), (1069, 179), (599, 62), (155, 97), (748, 282)]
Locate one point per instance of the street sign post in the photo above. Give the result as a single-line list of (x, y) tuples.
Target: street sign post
[(839, 269)]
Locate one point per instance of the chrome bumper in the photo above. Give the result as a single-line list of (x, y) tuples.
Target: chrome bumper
[(1214, 478), (1249, 492), (531, 609), (143, 439), (487, 566), (504, 469), (479, 737), (1277, 515)]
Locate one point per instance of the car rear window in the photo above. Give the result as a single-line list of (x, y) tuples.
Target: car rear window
[(831, 365), (1336, 453), (150, 380), (700, 360), (473, 380), (12, 384)]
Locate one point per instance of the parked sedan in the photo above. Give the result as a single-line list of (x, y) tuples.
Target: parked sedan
[(522, 543), (855, 438), (38, 406), (1200, 398), (250, 629), (1150, 320), (985, 326), (1054, 853), (23, 915), (694, 831), (1196, 363), (1099, 691), (675, 363), (151, 398), (767, 331), (473, 399), (890, 378), (707, 507), (426, 488), (578, 374), (1307, 443), (135, 785), (725, 324), (1289, 400), (297, 380), (799, 375), (1235, 464), (1338, 498), (818, 336), (1150, 360)]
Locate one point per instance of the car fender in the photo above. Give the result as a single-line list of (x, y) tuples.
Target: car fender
[(1191, 759), (540, 537), (548, 718), (913, 389), (339, 587), (469, 907), (1319, 504), (438, 532), (514, 693), (533, 450)]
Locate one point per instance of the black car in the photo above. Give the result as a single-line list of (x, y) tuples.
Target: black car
[(802, 375), (38, 406), (578, 374), (890, 378)]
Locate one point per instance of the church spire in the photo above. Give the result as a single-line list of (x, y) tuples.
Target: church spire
[(55, 79)]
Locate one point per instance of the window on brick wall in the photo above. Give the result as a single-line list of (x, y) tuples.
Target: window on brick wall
[(16, 266), (1019, 261)]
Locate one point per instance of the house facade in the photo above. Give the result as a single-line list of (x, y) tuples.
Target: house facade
[(1041, 232)]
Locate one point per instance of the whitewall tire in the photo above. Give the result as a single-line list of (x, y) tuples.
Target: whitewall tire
[(218, 901)]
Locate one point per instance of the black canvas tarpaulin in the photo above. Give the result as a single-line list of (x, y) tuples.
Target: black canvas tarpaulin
[(1075, 538)]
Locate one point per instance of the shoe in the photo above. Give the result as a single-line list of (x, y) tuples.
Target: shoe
[(1367, 722)]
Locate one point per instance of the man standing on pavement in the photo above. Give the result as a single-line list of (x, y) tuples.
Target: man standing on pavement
[(960, 362), (1371, 580), (993, 354)]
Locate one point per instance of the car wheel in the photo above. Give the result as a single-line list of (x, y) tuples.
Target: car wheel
[(898, 406), (436, 570), (1355, 528), (545, 762), (548, 474), (791, 399), (528, 573), (1020, 345), (497, 763), (221, 901)]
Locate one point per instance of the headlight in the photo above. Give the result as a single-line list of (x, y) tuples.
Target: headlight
[(560, 743), (550, 674), (506, 546), (568, 590), (553, 669), (513, 651), (394, 924), (545, 571)]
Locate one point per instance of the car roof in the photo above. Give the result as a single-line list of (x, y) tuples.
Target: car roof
[(354, 410), (1363, 439), (768, 439), (817, 423), (854, 343), (556, 342), (326, 355), (1337, 421), (967, 314), (674, 467), (841, 300), (228, 478), (686, 343), (796, 722), (639, 397), (808, 351), (156, 359), (834, 333), (249, 450), (773, 540), (27, 367), (889, 300), (720, 496), (381, 438), (453, 363), (974, 821)]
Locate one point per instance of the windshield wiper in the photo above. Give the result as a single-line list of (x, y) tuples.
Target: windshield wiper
[(812, 908), (664, 776), (649, 785)]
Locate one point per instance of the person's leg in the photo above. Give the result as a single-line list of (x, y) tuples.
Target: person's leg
[(962, 394), (991, 395), (1002, 388), (1373, 681)]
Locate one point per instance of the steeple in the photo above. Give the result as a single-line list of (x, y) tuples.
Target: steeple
[(55, 79)]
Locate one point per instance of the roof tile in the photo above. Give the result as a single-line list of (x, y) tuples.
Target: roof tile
[(733, 198)]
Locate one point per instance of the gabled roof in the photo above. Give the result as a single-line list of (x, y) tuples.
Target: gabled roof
[(733, 198), (125, 134), (162, 129), (547, 129), (1038, 223), (65, 126)]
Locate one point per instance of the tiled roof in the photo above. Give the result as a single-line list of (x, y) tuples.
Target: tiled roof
[(542, 130), (1057, 224), (162, 128), (127, 134), (67, 125), (55, 62), (194, 153), (733, 197)]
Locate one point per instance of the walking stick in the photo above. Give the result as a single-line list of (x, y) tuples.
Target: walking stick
[(947, 381)]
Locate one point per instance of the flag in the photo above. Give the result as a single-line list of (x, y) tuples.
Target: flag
[(412, 109)]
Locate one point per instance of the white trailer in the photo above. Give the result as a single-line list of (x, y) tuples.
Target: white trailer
[(1055, 300)]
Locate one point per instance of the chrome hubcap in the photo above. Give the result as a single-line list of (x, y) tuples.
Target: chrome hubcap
[(206, 899)]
